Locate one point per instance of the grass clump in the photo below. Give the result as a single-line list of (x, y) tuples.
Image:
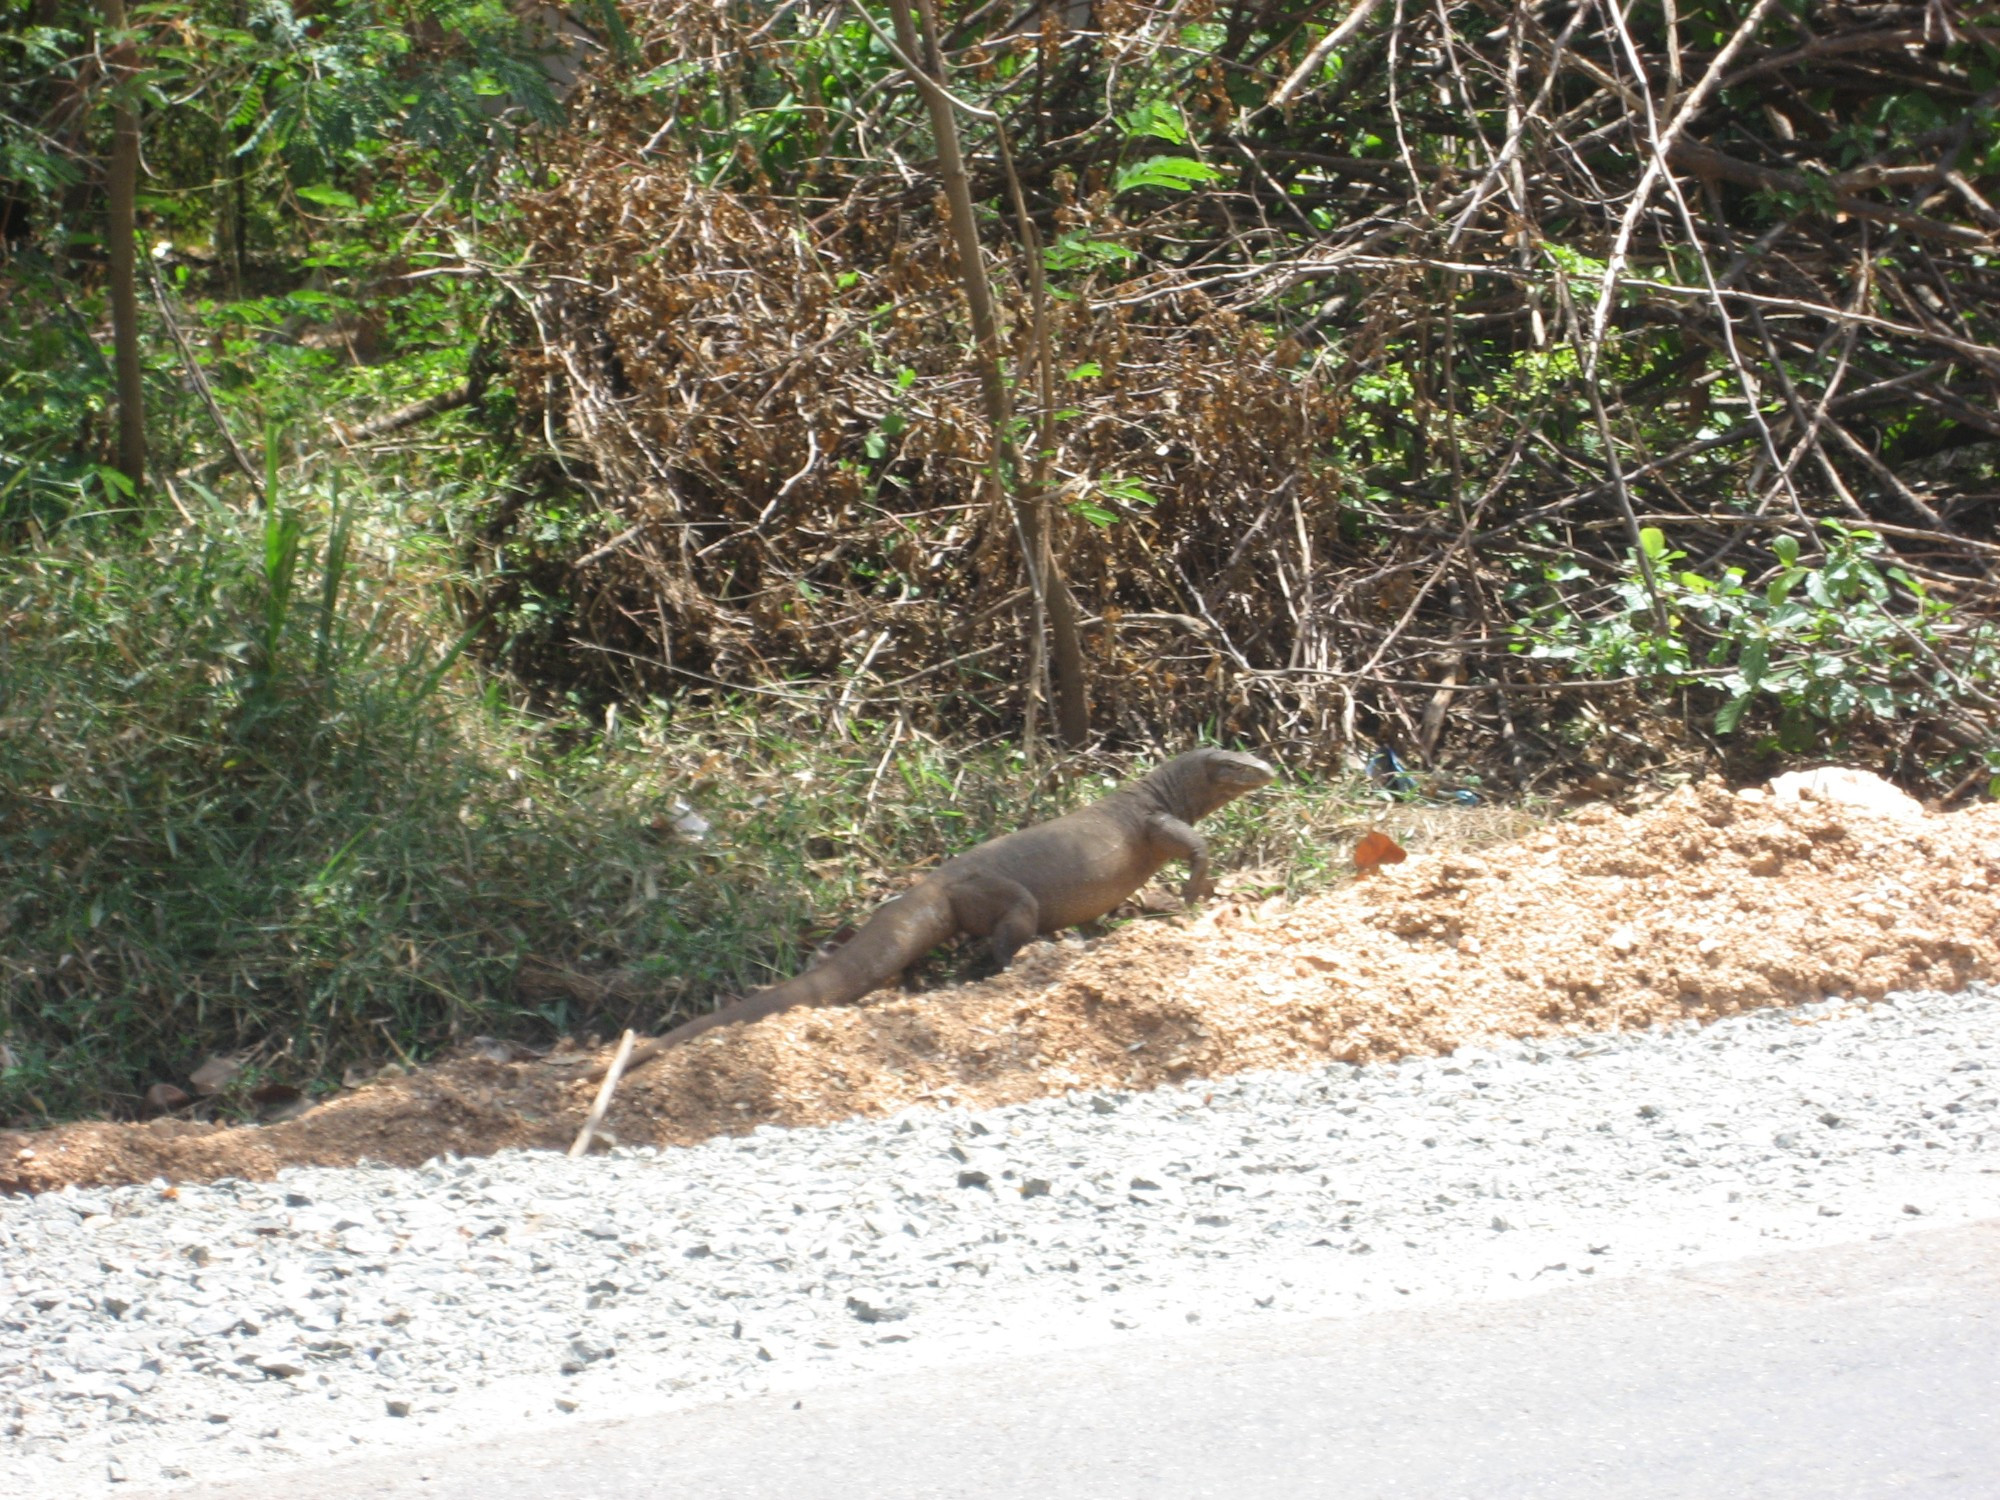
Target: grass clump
[(256, 803), (232, 800)]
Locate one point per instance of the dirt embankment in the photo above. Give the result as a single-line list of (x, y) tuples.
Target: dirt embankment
[(1708, 903)]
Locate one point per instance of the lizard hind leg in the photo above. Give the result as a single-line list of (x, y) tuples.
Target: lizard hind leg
[(1002, 911), (1015, 932)]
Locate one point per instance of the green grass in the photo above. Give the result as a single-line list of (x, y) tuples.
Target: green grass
[(255, 799)]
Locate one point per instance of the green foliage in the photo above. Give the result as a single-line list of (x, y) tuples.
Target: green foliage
[(245, 817), (53, 382), (1814, 644), (327, 97), (292, 162), (219, 777), (1077, 251), (302, 102), (1156, 118)]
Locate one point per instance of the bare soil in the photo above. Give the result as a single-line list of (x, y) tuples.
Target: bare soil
[(1707, 903)]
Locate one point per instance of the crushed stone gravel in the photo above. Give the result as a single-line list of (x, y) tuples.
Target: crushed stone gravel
[(156, 1337)]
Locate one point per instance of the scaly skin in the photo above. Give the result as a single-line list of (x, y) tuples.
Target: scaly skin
[(1054, 875)]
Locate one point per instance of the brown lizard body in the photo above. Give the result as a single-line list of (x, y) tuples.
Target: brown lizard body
[(1058, 874)]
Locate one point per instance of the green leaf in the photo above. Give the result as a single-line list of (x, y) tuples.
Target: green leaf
[(1128, 490), (1731, 714), (1786, 550), (1654, 541), (1078, 252), (114, 480), (1088, 370), (1155, 118), (326, 197), (1755, 663), (1173, 173), (1097, 515)]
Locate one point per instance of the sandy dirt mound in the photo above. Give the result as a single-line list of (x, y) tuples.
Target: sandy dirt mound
[(1708, 903)]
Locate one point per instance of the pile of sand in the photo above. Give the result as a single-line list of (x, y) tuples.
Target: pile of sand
[(1707, 903)]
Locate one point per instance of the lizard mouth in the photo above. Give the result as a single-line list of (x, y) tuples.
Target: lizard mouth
[(1246, 771)]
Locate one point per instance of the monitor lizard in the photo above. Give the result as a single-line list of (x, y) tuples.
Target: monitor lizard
[(1058, 874)]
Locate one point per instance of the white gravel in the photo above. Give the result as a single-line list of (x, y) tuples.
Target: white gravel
[(255, 1326)]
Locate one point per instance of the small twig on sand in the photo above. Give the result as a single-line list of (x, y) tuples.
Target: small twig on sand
[(604, 1092)]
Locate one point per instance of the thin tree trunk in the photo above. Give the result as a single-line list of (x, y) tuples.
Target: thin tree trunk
[(233, 214), (1044, 576), (120, 235)]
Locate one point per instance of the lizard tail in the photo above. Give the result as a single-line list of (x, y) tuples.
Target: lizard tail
[(901, 932)]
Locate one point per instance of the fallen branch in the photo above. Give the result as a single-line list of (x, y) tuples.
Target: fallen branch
[(198, 378), (374, 427), (403, 416)]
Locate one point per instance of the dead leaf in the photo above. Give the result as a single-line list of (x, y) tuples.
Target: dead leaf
[(1377, 849)]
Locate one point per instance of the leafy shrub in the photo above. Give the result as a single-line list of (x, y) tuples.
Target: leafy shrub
[(1817, 645)]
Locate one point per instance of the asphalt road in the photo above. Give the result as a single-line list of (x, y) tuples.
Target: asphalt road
[(1864, 1370)]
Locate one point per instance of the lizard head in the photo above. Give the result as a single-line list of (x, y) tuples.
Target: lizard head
[(1209, 779)]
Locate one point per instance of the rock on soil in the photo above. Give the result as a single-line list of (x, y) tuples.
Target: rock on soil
[(1708, 903)]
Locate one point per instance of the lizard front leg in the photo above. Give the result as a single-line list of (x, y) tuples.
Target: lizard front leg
[(1183, 842)]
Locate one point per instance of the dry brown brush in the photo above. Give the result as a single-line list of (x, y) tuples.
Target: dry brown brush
[(1463, 333)]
